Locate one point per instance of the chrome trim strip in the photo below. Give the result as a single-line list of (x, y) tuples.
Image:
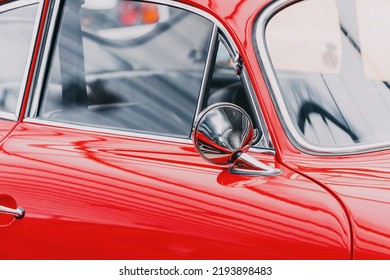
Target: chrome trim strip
[(228, 47), (16, 5), (108, 131), (265, 139), (206, 74), (271, 79), (30, 57), (8, 116), (120, 133), (49, 32)]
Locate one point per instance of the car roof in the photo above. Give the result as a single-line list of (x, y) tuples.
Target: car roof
[(237, 16)]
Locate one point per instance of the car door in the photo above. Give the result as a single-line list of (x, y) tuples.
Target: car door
[(16, 28), (103, 166)]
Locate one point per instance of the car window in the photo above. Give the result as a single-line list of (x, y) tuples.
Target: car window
[(145, 76), (16, 29), (226, 85), (331, 61)]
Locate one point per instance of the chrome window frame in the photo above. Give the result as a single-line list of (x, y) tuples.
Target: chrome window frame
[(270, 76), (12, 6), (207, 70), (218, 28), (265, 142)]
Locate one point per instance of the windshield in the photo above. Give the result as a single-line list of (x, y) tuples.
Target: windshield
[(332, 66)]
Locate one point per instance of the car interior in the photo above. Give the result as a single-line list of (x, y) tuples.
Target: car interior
[(157, 101)]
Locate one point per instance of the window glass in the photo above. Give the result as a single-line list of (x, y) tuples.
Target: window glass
[(16, 29), (225, 85), (138, 68), (332, 63)]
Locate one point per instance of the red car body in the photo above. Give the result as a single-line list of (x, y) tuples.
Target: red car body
[(95, 195)]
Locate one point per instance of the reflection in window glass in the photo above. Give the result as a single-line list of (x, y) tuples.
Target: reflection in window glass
[(142, 76), (332, 63), (16, 29)]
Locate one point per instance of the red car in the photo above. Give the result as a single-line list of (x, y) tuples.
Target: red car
[(224, 130)]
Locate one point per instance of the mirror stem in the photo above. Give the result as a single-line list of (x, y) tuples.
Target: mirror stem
[(259, 168)]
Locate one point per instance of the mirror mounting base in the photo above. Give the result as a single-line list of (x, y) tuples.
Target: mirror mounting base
[(255, 167)]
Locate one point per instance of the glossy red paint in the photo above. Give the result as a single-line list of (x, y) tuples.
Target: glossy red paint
[(7, 201), (5, 128), (92, 195), (100, 196), (361, 182)]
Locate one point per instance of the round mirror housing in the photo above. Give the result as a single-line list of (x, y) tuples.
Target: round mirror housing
[(222, 133)]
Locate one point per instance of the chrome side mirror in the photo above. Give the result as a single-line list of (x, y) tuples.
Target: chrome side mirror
[(223, 135)]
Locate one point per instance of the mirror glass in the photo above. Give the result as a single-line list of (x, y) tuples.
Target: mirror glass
[(222, 133)]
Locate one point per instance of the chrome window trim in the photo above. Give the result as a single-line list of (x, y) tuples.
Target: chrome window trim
[(259, 41), (107, 130), (17, 4), (32, 112), (12, 6), (227, 45), (8, 116), (206, 74), (122, 133), (42, 63), (265, 141)]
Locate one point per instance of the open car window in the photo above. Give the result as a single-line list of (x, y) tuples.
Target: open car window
[(142, 82), (16, 31), (130, 72)]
